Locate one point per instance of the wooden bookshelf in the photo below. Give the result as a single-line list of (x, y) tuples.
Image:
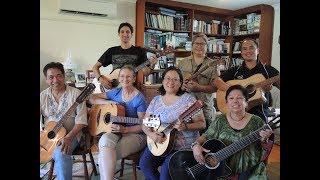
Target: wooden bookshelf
[(207, 14)]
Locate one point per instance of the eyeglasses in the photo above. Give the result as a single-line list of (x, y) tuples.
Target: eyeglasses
[(199, 44), (172, 79)]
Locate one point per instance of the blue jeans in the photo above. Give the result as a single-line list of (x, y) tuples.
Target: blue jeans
[(63, 162), (149, 166)]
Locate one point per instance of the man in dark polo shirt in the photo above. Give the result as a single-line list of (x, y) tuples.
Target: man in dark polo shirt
[(250, 66)]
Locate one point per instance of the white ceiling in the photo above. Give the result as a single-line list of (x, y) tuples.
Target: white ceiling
[(230, 4), (225, 4)]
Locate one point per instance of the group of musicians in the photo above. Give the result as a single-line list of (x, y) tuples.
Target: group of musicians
[(177, 93)]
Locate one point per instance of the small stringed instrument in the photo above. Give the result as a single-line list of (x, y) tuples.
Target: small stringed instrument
[(54, 131), (101, 115), (114, 75), (254, 86), (194, 75), (182, 164), (161, 149)]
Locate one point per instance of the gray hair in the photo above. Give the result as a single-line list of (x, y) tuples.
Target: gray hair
[(200, 35)]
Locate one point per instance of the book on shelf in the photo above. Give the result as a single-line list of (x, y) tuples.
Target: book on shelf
[(213, 27), (218, 45)]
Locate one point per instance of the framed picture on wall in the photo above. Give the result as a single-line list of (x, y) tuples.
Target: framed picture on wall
[(161, 64), (80, 77), (90, 76)]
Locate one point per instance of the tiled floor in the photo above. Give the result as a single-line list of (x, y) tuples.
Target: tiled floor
[(273, 168)]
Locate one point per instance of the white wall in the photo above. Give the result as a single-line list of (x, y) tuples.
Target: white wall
[(275, 62), (86, 38)]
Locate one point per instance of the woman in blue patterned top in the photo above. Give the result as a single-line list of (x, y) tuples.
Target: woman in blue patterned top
[(171, 103), (114, 146)]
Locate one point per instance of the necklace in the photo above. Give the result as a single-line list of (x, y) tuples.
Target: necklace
[(238, 121)]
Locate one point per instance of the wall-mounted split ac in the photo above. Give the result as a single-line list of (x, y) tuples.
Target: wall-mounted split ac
[(101, 8)]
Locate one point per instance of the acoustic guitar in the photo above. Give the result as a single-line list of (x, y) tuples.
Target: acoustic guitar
[(114, 75), (54, 131), (254, 86), (182, 164), (162, 149), (101, 115)]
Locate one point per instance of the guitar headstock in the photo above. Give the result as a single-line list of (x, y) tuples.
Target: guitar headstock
[(275, 122), (152, 121), (85, 92), (192, 110)]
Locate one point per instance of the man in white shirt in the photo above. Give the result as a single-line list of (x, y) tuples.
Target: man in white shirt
[(54, 103)]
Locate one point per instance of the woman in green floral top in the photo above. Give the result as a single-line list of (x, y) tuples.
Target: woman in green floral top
[(230, 127)]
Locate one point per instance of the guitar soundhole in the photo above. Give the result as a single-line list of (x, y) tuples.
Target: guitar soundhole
[(107, 118), (114, 82), (51, 134), (251, 90)]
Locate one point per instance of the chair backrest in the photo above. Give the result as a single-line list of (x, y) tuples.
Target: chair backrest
[(85, 143)]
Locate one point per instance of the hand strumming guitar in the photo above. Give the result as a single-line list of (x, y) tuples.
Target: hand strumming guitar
[(66, 143), (157, 137), (191, 86), (197, 153), (105, 82), (180, 125), (265, 134)]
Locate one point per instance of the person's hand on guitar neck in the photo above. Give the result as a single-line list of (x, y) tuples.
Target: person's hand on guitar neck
[(115, 128), (105, 81), (180, 125)]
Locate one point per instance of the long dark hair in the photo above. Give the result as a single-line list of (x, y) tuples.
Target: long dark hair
[(162, 91)]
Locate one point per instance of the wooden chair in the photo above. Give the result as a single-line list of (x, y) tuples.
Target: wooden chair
[(135, 162), (83, 148)]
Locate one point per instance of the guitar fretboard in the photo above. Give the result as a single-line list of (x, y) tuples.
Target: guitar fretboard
[(130, 120), (268, 81), (65, 117), (238, 145)]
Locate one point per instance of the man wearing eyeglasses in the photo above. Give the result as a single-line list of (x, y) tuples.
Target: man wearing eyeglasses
[(200, 85)]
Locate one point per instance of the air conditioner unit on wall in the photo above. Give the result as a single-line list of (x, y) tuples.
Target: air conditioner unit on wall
[(102, 8)]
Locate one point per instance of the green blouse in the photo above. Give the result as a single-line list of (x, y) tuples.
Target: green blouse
[(247, 158)]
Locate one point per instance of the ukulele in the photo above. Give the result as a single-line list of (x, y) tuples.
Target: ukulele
[(162, 149)]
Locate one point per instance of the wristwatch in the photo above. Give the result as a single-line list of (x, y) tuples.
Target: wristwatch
[(194, 143)]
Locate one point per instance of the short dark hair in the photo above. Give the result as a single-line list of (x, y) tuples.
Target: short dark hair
[(249, 39), (125, 24), (243, 90), (50, 65), (162, 91)]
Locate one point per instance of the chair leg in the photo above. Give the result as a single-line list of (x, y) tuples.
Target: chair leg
[(51, 169), (134, 168), (86, 173), (122, 167), (93, 164)]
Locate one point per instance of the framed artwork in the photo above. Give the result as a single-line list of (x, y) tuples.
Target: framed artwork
[(161, 64), (80, 77), (90, 76)]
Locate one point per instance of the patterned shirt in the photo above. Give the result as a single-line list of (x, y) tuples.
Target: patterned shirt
[(247, 158), (54, 111), (169, 114), (188, 67)]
